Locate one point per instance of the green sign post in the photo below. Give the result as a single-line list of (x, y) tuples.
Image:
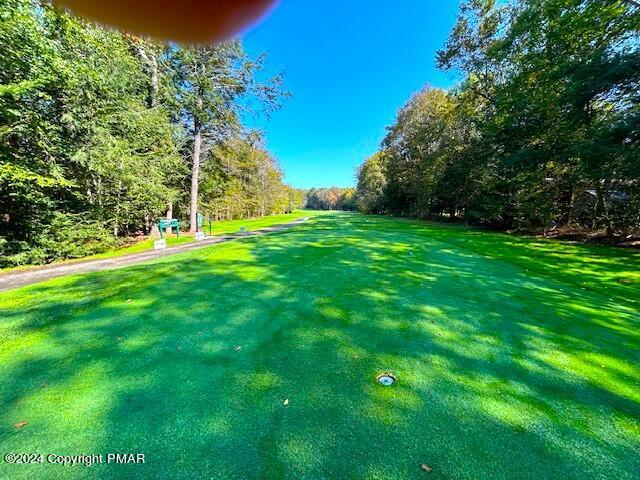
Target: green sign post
[(169, 223)]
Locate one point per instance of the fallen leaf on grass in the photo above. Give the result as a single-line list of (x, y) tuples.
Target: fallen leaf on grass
[(21, 424), (426, 468), (286, 402), (129, 300)]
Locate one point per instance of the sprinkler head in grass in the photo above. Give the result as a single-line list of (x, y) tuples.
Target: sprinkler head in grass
[(386, 379)]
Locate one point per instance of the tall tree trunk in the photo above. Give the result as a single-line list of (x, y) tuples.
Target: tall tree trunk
[(150, 61), (154, 231), (571, 216), (195, 177), (116, 223), (602, 208), (607, 210), (169, 215), (151, 64), (153, 79)]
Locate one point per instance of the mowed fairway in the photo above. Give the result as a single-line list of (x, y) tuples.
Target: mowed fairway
[(515, 358)]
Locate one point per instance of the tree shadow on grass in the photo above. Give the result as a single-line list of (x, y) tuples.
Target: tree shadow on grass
[(501, 374)]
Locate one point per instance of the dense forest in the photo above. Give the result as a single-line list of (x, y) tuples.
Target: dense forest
[(542, 131), (102, 133)]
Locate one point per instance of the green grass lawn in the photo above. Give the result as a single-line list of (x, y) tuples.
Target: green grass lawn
[(515, 358), (221, 227)]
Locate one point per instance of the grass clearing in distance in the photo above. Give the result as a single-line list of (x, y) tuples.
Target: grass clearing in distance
[(220, 227), (514, 357)]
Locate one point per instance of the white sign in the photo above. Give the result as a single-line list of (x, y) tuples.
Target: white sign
[(200, 236), (160, 244)]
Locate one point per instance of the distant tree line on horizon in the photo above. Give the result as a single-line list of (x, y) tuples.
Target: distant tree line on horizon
[(542, 132), (102, 133), (331, 198)]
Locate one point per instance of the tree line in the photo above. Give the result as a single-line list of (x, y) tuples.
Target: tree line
[(541, 132), (332, 198), (102, 133)]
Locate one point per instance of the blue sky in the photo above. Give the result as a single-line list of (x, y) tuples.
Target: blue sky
[(350, 65)]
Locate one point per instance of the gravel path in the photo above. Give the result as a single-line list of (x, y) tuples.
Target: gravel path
[(20, 278)]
